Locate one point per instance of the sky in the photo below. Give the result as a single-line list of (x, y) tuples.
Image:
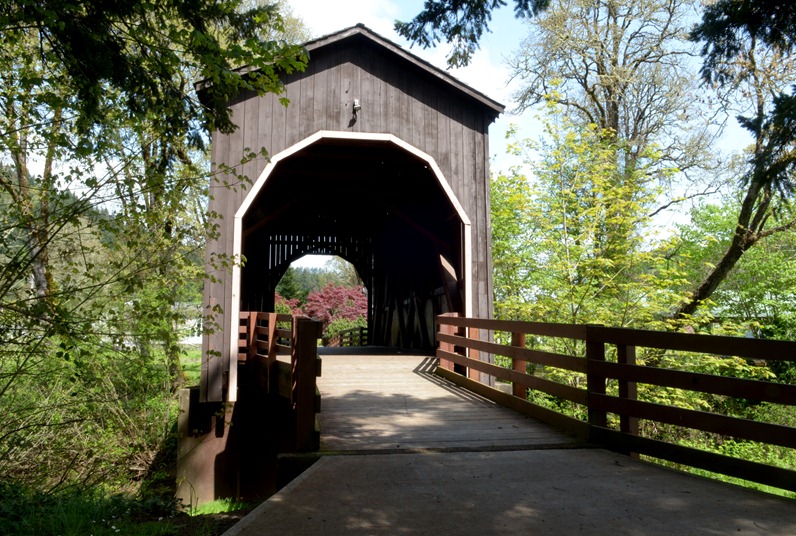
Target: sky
[(486, 73)]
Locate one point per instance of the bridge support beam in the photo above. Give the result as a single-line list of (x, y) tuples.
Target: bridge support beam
[(226, 450)]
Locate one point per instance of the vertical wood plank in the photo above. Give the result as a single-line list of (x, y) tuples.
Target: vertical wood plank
[(294, 112), (334, 98), (520, 365), (626, 355), (304, 360), (474, 334), (595, 383)]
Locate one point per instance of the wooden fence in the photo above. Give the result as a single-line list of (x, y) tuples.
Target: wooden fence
[(348, 337), (263, 337), (613, 410)]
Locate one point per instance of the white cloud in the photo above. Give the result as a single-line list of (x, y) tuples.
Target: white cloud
[(326, 16)]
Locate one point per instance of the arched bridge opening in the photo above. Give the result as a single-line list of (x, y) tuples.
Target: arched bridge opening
[(378, 203)]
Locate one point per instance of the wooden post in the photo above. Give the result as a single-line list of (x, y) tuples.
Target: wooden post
[(626, 355), (595, 384), (251, 338), (305, 367), (473, 374), (520, 365), (272, 376), (447, 329)]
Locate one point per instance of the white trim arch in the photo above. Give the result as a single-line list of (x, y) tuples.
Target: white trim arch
[(237, 242)]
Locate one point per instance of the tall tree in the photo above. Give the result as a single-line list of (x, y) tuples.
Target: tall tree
[(748, 55), (552, 259), (623, 65), (460, 23), (98, 110)]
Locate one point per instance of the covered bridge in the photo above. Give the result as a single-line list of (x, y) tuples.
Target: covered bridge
[(380, 158)]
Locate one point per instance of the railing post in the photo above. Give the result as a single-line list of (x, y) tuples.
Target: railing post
[(626, 355), (251, 338), (272, 378), (447, 329), (474, 334), (595, 384), (519, 365), (305, 367)]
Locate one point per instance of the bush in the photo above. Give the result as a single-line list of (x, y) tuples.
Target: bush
[(343, 324)]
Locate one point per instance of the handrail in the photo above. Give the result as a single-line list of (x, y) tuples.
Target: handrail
[(610, 396), (265, 336), (348, 337)]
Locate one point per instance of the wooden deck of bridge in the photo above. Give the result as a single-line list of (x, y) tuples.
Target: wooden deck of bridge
[(406, 452), (396, 403)]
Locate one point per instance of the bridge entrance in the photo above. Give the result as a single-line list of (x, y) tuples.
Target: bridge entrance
[(379, 158), (377, 202)]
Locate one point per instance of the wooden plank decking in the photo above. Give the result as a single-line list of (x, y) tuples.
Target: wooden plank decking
[(396, 402), (450, 463)]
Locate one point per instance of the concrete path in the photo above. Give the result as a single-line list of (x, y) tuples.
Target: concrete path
[(392, 466)]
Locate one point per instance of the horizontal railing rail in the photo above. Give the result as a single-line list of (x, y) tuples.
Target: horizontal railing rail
[(608, 391)]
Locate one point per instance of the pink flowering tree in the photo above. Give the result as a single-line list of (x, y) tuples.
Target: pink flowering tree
[(338, 307), (283, 305)]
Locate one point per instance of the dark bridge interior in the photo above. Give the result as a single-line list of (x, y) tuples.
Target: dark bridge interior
[(378, 206)]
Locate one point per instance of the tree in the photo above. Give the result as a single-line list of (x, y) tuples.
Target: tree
[(461, 23), (102, 181), (623, 65), (347, 275), (747, 49), (288, 287), (758, 296), (140, 51), (553, 256), (334, 303)]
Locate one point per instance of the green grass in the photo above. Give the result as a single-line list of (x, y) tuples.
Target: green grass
[(80, 513), (191, 362), (220, 506)]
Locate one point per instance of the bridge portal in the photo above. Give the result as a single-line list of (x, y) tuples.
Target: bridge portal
[(380, 158)]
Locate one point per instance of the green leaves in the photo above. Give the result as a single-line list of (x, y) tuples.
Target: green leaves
[(460, 23), (573, 243)]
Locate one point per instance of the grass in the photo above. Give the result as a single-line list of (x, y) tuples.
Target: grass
[(84, 513), (191, 362), (221, 506)]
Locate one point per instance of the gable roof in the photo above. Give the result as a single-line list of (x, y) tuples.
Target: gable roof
[(362, 31)]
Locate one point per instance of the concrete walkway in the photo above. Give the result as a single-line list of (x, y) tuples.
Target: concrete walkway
[(390, 467)]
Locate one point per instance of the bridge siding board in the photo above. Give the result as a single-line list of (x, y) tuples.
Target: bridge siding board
[(397, 98)]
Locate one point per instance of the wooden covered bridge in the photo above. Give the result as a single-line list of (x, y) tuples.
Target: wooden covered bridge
[(381, 158)]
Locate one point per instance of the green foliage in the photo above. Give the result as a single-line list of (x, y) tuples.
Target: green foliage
[(220, 506), (460, 23), (78, 513), (575, 245), (758, 294), (344, 324), (140, 52), (289, 288), (102, 227)]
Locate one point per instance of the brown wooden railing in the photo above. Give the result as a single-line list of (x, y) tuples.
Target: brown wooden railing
[(265, 336), (613, 415), (348, 337)]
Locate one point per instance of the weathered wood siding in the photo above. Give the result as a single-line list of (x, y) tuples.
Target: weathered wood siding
[(397, 97)]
